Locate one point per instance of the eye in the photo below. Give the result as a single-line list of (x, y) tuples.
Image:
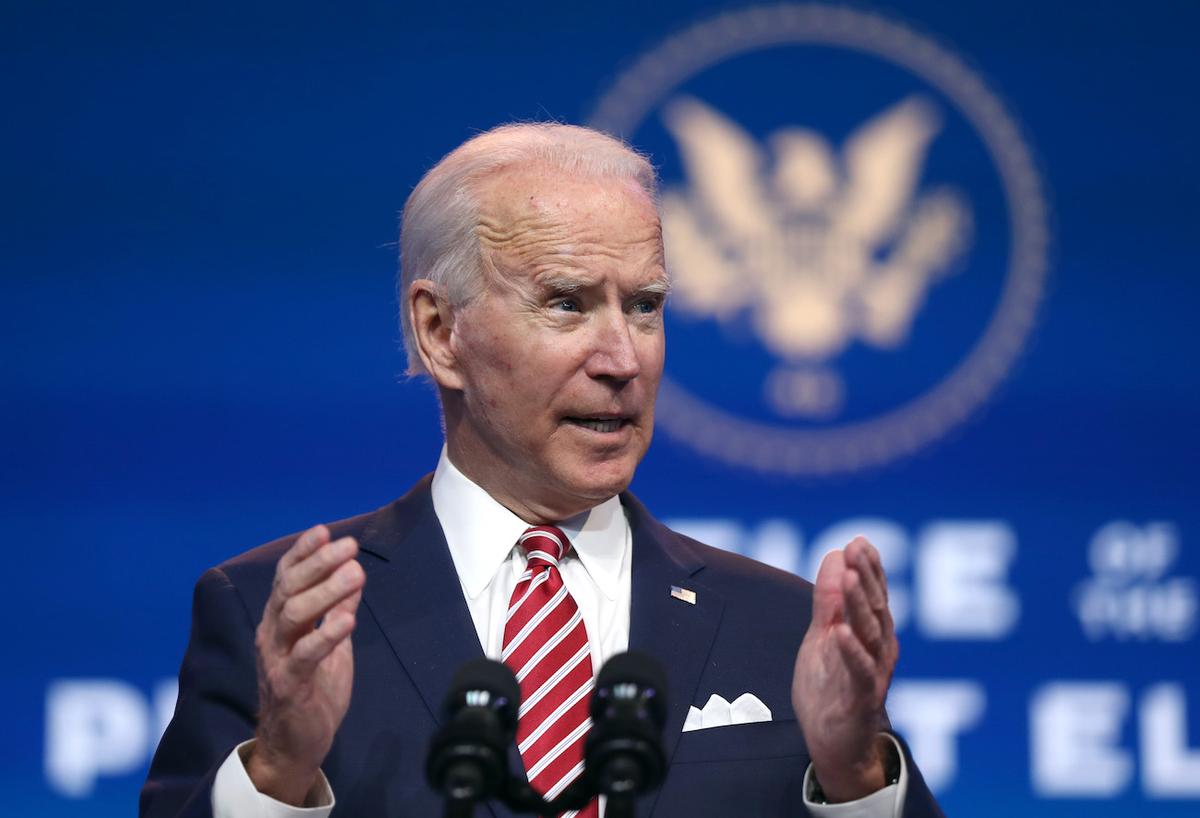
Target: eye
[(648, 306), (567, 305)]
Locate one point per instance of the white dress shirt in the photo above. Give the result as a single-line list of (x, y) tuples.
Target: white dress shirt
[(482, 536)]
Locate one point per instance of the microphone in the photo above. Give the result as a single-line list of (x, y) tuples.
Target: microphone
[(624, 755), (468, 755)]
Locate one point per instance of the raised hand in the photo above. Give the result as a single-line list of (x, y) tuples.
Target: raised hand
[(843, 670), (305, 663)]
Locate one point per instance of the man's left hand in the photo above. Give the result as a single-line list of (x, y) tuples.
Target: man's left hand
[(843, 670)]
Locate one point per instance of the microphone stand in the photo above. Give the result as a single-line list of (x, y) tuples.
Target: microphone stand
[(459, 808), (619, 806), (465, 786)]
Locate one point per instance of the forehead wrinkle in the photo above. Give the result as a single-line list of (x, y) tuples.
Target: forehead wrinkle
[(524, 236), (571, 272), (512, 249), (541, 245), (559, 232)]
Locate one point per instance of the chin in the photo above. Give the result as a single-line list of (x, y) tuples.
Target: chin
[(603, 480)]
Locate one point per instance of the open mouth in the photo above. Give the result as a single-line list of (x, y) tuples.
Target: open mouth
[(599, 424)]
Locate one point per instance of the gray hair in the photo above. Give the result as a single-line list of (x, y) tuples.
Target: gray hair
[(438, 238)]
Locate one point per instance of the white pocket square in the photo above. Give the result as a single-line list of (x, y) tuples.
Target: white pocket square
[(745, 709)]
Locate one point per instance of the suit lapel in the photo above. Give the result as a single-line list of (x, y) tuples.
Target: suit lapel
[(414, 594), (678, 634)]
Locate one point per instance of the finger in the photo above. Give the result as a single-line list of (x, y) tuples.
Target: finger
[(875, 561), (863, 557), (317, 566), (870, 566), (859, 663), (304, 545), (314, 646), (300, 612), (350, 604), (860, 616)]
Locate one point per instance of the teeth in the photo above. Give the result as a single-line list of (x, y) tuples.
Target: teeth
[(599, 425)]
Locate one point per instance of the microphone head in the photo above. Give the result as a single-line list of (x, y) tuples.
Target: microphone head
[(635, 677), (623, 754), (466, 760), (485, 683)]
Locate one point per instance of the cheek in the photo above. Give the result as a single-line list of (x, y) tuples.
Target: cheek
[(653, 354), (496, 350), (486, 351)]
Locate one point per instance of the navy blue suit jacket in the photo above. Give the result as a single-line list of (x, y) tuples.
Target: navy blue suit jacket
[(414, 631)]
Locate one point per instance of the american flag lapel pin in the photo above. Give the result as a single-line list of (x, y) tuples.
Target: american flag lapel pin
[(684, 594)]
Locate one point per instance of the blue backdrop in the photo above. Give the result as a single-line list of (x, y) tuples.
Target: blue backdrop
[(967, 332)]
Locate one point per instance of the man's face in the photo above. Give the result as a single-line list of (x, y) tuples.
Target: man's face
[(561, 355)]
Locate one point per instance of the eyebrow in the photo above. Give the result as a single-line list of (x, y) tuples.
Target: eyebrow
[(660, 286), (566, 284), (570, 284)]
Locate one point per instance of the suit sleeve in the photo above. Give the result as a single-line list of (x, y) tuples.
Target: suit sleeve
[(918, 800), (909, 797), (218, 699)]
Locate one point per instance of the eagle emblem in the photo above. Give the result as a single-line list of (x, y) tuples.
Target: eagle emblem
[(817, 248)]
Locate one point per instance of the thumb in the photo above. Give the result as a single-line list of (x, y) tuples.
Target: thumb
[(828, 599)]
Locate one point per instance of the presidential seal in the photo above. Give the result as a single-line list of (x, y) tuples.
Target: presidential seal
[(855, 229)]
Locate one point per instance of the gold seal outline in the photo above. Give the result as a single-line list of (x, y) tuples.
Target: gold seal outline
[(902, 431)]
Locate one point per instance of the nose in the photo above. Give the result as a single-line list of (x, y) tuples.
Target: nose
[(614, 356)]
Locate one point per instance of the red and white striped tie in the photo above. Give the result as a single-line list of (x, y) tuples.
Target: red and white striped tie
[(546, 645)]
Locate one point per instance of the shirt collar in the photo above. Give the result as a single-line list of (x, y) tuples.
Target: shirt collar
[(481, 533)]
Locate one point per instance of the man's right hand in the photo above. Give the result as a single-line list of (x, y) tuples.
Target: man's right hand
[(305, 671)]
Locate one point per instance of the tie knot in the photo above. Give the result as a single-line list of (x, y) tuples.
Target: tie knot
[(545, 544)]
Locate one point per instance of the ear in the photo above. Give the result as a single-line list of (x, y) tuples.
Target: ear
[(432, 320)]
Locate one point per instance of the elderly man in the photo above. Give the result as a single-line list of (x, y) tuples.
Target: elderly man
[(532, 291)]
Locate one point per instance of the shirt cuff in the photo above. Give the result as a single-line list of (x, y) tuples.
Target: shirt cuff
[(235, 796), (885, 803)]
